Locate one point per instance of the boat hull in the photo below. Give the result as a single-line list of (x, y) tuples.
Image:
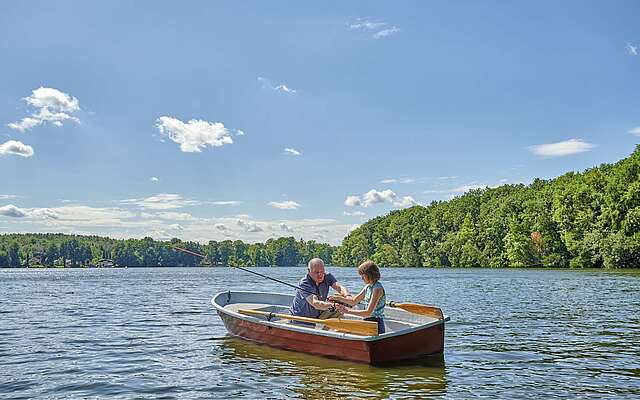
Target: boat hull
[(412, 345)]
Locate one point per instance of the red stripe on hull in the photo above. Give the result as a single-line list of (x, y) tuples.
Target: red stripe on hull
[(404, 347)]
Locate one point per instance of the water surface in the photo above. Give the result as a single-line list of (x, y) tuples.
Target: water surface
[(152, 333)]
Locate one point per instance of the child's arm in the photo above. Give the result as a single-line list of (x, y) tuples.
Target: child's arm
[(375, 297)]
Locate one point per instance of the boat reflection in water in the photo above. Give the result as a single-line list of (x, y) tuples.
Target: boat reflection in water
[(291, 374)]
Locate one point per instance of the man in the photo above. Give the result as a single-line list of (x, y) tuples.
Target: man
[(307, 304)]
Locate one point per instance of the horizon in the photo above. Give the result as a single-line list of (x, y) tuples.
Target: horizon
[(221, 121)]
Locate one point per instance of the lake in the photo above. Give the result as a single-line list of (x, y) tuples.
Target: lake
[(152, 333)]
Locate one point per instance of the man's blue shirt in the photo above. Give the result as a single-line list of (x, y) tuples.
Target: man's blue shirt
[(300, 305)]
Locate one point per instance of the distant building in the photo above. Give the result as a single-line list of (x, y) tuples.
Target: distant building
[(105, 263)]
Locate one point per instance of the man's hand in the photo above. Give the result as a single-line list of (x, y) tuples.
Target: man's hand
[(340, 308)]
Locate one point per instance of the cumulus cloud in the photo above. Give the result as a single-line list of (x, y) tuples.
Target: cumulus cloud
[(162, 201), (51, 105), (155, 179), (194, 135), (38, 213), (375, 197), (220, 227), (16, 148), (567, 147), (267, 84), (352, 201), (635, 131), (285, 205), (292, 152), (249, 226), (631, 49), (13, 211)]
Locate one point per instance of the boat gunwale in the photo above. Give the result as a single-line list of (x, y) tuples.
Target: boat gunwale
[(313, 331)]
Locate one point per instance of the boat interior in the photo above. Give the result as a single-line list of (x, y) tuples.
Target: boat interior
[(396, 320)]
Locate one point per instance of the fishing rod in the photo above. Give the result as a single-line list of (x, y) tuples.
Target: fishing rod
[(247, 270)]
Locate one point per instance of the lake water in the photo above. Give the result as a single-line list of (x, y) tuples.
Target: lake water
[(152, 333)]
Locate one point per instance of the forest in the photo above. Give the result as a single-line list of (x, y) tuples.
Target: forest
[(61, 250), (578, 220)]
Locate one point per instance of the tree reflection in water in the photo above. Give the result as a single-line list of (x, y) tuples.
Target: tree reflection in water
[(281, 373)]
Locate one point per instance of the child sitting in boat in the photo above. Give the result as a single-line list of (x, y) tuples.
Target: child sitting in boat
[(373, 293)]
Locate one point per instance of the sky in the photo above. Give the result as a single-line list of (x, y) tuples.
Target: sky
[(215, 120)]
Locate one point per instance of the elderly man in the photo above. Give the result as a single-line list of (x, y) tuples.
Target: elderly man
[(306, 304)]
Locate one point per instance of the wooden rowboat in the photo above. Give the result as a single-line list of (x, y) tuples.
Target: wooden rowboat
[(408, 336)]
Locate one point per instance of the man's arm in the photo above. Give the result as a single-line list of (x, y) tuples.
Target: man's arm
[(341, 289), (317, 303)]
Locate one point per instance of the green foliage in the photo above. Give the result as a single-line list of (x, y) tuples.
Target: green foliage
[(61, 250), (579, 220)]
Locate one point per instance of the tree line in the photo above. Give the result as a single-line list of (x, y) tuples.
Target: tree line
[(61, 250), (578, 220)]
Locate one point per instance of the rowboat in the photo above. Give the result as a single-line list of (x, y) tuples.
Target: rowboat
[(262, 318)]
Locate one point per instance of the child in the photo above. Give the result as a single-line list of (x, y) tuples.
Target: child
[(373, 293)]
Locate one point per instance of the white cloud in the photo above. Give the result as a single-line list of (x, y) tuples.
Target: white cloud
[(504, 180), (366, 24), (170, 216), (352, 201), (226, 203), (162, 201), (37, 213), (13, 211), (631, 49), (292, 152), (285, 205), (398, 180), (406, 201), (375, 197), (159, 224), (239, 132), (459, 189), (267, 84), (8, 196), (567, 147), (51, 106), (354, 214), (286, 89), (17, 148), (442, 178), (635, 131), (194, 135), (385, 32), (155, 179), (249, 226)]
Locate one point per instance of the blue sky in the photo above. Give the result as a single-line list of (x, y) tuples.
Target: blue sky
[(249, 120)]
